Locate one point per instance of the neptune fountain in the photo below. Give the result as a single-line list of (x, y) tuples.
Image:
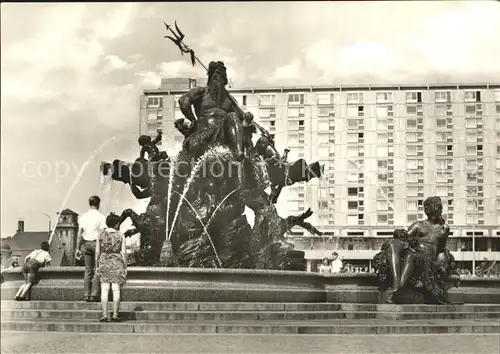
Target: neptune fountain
[(195, 217)]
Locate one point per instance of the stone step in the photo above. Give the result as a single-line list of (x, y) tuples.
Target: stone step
[(241, 315), (247, 306), (173, 306), (365, 326)]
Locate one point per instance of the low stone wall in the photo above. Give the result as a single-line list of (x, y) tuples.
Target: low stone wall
[(233, 285)]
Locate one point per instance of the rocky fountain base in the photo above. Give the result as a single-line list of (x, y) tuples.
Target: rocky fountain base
[(193, 300), (236, 285)]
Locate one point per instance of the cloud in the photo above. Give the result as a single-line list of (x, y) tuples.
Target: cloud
[(114, 62), (459, 42), (286, 72), (171, 69)]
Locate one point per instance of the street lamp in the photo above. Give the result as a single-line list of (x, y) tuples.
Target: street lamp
[(50, 222), (474, 201)]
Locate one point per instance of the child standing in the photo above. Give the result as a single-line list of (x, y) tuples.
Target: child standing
[(35, 260)]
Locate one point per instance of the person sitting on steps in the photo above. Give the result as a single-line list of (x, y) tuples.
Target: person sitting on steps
[(34, 261)]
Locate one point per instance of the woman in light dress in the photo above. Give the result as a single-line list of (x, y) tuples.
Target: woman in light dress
[(325, 268), (111, 261)]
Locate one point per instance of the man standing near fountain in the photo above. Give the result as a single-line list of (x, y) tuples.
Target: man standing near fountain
[(91, 225)]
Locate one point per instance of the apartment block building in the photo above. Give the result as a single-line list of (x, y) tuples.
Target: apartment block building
[(385, 149)]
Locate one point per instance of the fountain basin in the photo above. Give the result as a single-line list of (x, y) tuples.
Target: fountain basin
[(234, 285)]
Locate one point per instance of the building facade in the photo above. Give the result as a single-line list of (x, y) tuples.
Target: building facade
[(385, 148)]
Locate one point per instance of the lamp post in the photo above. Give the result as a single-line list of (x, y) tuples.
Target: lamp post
[(474, 201), (50, 222)]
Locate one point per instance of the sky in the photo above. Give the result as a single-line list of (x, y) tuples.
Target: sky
[(72, 74)]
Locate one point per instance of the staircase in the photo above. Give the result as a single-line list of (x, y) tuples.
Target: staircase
[(251, 317)]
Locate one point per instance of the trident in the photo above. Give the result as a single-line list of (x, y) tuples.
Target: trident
[(184, 48)]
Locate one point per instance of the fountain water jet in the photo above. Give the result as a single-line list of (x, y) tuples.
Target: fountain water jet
[(80, 174)]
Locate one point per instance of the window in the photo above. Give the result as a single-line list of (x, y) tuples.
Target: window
[(323, 205), (293, 139), (382, 218), (411, 150), (470, 109), (411, 205), (352, 192), (497, 123), (384, 97), (323, 125), (471, 150), (382, 124), (441, 164), (296, 112), (323, 152), (412, 191), (267, 112), (355, 97), (382, 164), (352, 177), (414, 97), (241, 100), (352, 205), (472, 218), (442, 191), (471, 123), (381, 111), (352, 151), (382, 151), (325, 98), (293, 125), (295, 98), (497, 95), (412, 177), (441, 123), (267, 100), (352, 124), (441, 150), (498, 164), (411, 218), (472, 96), (441, 137), (352, 111), (413, 164), (352, 137), (323, 138), (155, 102), (411, 137), (471, 165), (151, 115), (352, 219), (382, 205), (382, 138), (411, 123), (352, 165), (411, 109), (326, 111), (442, 96), (382, 191), (471, 137), (443, 110)]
